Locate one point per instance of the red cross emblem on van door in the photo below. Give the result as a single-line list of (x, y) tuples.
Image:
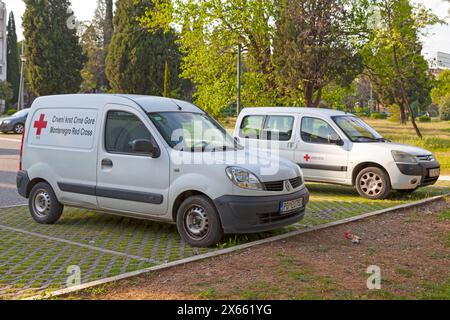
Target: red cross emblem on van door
[(41, 124), (307, 158)]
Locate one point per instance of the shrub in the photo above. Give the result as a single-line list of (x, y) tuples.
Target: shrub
[(394, 112), (445, 108), (378, 116), (424, 119), (10, 112)]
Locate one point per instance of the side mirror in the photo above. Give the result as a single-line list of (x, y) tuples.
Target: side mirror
[(335, 139), (145, 147)]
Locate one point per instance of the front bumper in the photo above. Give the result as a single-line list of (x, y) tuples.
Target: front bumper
[(421, 170), (243, 214)]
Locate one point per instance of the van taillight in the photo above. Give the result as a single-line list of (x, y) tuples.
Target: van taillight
[(21, 150)]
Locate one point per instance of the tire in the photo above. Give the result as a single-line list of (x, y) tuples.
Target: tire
[(373, 183), (18, 128), (44, 206), (198, 222)]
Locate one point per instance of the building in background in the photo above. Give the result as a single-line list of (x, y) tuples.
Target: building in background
[(440, 62), (3, 52)]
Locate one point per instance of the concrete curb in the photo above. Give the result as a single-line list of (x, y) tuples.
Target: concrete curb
[(230, 250)]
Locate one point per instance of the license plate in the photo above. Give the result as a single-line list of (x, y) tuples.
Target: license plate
[(292, 205), (433, 173)]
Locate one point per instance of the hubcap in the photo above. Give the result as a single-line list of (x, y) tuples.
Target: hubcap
[(19, 129), (371, 184), (196, 222), (42, 203)]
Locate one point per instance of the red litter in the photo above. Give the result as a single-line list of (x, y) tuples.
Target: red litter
[(354, 238)]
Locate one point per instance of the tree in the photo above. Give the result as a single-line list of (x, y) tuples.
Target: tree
[(6, 91), (316, 43), (108, 28), (442, 87), (95, 40), (211, 31), (393, 55), (52, 50), (136, 57), (13, 70), (166, 80)]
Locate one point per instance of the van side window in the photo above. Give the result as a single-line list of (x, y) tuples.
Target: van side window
[(251, 127), (122, 128), (278, 128), (316, 130)]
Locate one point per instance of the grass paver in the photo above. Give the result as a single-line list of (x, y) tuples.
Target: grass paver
[(31, 264)]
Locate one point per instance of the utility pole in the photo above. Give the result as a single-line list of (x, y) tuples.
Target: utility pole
[(20, 104), (238, 101)]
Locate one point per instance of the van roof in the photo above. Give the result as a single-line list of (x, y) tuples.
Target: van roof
[(147, 103), (293, 110)]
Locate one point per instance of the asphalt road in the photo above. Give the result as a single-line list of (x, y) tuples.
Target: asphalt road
[(9, 164)]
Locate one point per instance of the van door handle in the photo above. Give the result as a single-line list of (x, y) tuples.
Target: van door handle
[(107, 163)]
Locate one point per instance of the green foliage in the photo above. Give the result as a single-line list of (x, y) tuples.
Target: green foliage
[(54, 55), (95, 39), (445, 108), (308, 57), (136, 57), (394, 113), (442, 87), (378, 116), (338, 97), (10, 112), (393, 56), (424, 119), (6, 91), (13, 69), (211, 31)]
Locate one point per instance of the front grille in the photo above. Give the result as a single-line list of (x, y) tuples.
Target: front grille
[(427, 158), (296, 182), (274, 186), (278, 186)]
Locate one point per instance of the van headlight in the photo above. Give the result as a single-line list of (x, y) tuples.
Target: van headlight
[(403, 157), (244, 178), (6, 122)]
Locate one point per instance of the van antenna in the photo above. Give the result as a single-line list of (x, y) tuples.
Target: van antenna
[(179, 107)]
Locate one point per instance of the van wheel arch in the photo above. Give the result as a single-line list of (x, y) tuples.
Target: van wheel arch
[(32, 183), (364, 165), (183, 196)]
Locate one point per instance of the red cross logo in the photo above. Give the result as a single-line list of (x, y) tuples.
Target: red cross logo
[(41, 124), (307, 157)]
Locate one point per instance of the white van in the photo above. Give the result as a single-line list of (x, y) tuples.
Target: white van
[(336, 147), (152, 158)]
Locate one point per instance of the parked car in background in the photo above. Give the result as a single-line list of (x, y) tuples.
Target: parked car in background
[(15, 123), (337, 147)]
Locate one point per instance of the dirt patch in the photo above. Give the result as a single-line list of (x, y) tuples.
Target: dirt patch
[(411, 247)]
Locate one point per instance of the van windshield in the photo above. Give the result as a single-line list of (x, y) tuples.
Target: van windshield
[(193, 132), (357, 130)]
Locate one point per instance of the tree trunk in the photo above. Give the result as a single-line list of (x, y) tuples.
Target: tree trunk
[(308, 89), (318, 98), (404, 95)]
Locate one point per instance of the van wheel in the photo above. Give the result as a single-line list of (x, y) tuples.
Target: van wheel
[(373, 183), (18, 128), (44, 207), (198, 222)]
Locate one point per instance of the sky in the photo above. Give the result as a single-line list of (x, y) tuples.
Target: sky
[(437, 38)]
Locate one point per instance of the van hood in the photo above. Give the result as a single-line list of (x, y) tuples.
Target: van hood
[(415, 151), (265, 165)]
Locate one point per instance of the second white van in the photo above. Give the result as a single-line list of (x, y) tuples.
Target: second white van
[(337, 147), (152, 158)]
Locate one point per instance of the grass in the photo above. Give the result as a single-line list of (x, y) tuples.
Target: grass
[(436, 136)]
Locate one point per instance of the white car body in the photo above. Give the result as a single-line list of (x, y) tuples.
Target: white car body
[(340, 164), (64, 145)]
